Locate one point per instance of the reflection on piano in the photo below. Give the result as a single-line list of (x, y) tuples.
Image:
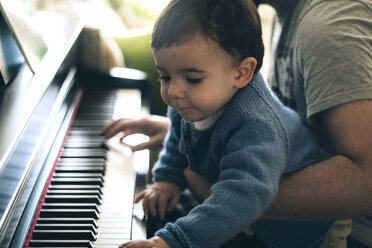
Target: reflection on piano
[(60, 185)]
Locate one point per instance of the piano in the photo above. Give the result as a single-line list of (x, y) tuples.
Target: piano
[(60, 184)]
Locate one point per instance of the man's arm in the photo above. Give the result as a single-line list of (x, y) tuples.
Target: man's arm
[(340, 187)]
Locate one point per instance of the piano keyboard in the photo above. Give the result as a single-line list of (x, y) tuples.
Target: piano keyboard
[(89, 200)]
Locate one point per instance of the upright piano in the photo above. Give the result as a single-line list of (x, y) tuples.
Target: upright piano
[(60, 185)]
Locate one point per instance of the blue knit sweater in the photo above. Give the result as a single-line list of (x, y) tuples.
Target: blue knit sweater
[(251, 145)]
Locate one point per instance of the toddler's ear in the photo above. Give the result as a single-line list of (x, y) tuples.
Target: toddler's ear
[(245, 72)]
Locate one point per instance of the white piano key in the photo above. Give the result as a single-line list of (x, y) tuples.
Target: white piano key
[(115, 223), (121, 236)]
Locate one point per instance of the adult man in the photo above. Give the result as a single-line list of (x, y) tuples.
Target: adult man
[(323, 69)]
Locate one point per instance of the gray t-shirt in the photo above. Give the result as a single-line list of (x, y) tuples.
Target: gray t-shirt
[(323, 56)]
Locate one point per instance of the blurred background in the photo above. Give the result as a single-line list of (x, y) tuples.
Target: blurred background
[(118, 34)]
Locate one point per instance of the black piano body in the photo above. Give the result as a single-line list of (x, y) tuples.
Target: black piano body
[(37, 112)]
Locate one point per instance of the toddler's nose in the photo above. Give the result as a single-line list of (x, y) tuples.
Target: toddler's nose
[(175, 90)]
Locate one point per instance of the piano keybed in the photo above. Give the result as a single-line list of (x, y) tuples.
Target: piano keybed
[(89, 200)]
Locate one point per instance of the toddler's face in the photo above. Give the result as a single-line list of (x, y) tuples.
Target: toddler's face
[(197, 78)]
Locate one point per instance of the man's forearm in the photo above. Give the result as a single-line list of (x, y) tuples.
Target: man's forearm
[(340, 187), (333, 189)]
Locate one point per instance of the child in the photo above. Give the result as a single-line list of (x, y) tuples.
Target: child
[(226, 126)]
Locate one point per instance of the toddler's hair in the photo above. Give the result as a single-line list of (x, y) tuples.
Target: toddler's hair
[(234, 24)]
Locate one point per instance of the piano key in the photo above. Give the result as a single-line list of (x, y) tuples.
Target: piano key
[(60, 243), (99, 110), (85, 132), (104, 116), (85, 144), (71, 205), (119, 236), (81, 163), (86, 128), (78, 175), (82, 139), (84, 153), (105, 103), (72, 199), (109, 242), (82, 160), (69, 213), (82, 181), (81, 169), (103, 109), (74, 192), (64, 234), (117, 230), (90, 123), (75, 187), (90, 221), (55, 226)]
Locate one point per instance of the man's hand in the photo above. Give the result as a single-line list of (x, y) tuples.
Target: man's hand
[(155, 242), (156, 127), (161, 196)]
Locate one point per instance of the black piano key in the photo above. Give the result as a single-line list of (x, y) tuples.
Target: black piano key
[(71, 206), (78, 175), (82, 128), (82, 139), (84, 153), (102, 109), (104, 116), (82, 150), (85, 132), (103, 106), (81, 164), (99, 110), (86, 144), (74, 168), (90, 221), (63, 235), (82, 181), (90, 123), (72, 199), (60, 243), (82, 160), (66, 227), (69, 213)]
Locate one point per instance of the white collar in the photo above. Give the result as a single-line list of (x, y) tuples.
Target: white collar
[(208, 121)]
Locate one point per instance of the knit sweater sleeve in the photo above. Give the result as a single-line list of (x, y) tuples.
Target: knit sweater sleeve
[(247, 184), (171, 162)]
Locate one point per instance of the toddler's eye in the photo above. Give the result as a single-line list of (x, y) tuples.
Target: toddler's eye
[(164, 79), (194, 80)]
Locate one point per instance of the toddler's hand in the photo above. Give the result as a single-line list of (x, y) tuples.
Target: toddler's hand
[(155, 242), (163, 195)]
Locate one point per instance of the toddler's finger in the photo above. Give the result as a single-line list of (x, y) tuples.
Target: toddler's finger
[(162, 204), (173, 202), (125, 244), (139, 196), (144, 206), (152, 202)]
